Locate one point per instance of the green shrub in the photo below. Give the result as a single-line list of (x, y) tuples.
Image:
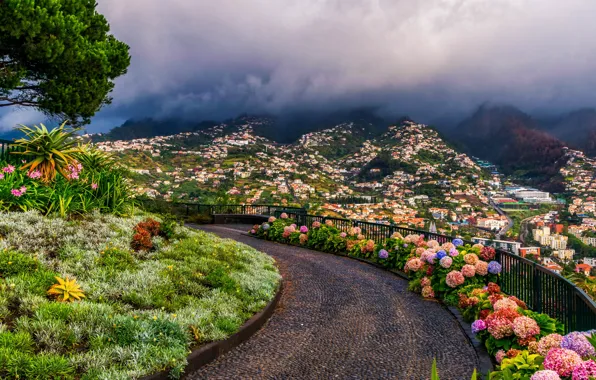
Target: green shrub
[(13, 263)]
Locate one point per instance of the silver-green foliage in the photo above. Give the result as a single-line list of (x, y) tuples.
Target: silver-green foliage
[(143, 311)]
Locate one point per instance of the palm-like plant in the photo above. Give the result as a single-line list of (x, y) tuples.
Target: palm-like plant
[(93, 158), (50, 151)]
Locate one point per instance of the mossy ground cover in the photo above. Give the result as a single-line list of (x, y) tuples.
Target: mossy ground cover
[(143, 311)]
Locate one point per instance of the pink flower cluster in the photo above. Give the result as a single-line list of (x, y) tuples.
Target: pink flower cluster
[(8, 169), (562, 361), (316, 224), (481, 268), (549, 342), (428, 292), (525, 327), (19, 192), (284, 215), (413, 264), (454, 279), (368, 247), (74, 170), (446, 262), (545, 375), (584, 371), (468, 270), (303, 238), (505, 303), (36, 174), (471, 258), (272, 219)]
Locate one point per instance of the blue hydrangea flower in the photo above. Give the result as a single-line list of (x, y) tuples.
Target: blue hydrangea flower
[(457, 242), (494, 267), (441, 254), (578, 342), (383, 254), (265, 227)]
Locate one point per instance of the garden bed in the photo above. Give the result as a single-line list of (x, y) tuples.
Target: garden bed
[(526, 344), (149, 294)]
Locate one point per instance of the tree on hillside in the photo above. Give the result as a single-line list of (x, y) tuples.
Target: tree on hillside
[(57, 56)]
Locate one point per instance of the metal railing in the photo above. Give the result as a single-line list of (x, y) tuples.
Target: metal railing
[(542, 290), (6, 147)]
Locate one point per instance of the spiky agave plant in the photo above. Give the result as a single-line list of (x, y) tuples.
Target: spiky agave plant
[(94, 159), (49, 151), (66, 290)]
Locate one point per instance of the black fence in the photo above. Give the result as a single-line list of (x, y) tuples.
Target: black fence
[(541, 289), (6, 148)]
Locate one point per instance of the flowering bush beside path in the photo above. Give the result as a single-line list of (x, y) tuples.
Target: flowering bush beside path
[(525, 344)]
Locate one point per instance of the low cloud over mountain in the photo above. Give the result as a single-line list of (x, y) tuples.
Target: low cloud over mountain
[(430, 59)]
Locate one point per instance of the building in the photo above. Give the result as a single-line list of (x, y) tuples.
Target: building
[(532, 195), (583, 268), (511, 246), (589, 241), (529, 251), (590, 261), (564, 254)]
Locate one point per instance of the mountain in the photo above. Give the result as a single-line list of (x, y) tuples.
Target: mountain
[(577, 129), (284, 129), (512, 139)]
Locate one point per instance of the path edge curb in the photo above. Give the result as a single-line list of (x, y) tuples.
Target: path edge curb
[(485, 363), (211, 351)]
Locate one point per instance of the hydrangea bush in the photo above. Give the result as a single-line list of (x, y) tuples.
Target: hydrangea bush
[(525, 344), (142, 311)]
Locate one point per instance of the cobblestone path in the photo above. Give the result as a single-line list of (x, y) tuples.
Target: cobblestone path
[(342, 319)]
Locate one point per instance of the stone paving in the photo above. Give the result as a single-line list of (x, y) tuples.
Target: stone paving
[(342, 319)]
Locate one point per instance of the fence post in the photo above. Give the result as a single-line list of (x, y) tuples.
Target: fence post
[(537, 291)]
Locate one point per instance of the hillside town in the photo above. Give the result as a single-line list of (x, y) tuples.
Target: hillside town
[(415, 177)]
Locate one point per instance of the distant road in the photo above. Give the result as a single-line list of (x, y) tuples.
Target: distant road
[(509, 225)]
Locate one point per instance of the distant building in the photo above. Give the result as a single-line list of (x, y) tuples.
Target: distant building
[(529, 251), (511, 246), (564, 254), (583, 268)]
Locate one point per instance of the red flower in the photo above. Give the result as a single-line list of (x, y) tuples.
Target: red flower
[(493, 288)]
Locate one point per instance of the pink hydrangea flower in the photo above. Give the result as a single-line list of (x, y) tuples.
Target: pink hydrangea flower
[(468, 270), (505, 303), (562, 361), (584, 371), (471, 259), (428, 292), (454, 279), (500, 355), (545, 375), (316, 224), (284, 215), (343, 235), (303, 239), (446, 262), (525, 327), (481, 268), (414, 264), (303, 229), (271, 218), (548, 342)]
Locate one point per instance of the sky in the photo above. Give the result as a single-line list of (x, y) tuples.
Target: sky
[(205, 59)]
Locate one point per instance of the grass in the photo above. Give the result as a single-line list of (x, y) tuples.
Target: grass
[(143, 311)]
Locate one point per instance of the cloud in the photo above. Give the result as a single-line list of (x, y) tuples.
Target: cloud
[(12, 118), (217, 57)]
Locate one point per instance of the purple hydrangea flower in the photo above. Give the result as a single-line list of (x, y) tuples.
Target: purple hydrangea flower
[(478, 325), (545, 375), (405, 246), (457, 242), (454, 252), (441, 254), (494, 267), (304, 229), (578, 342), (383, 254)]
